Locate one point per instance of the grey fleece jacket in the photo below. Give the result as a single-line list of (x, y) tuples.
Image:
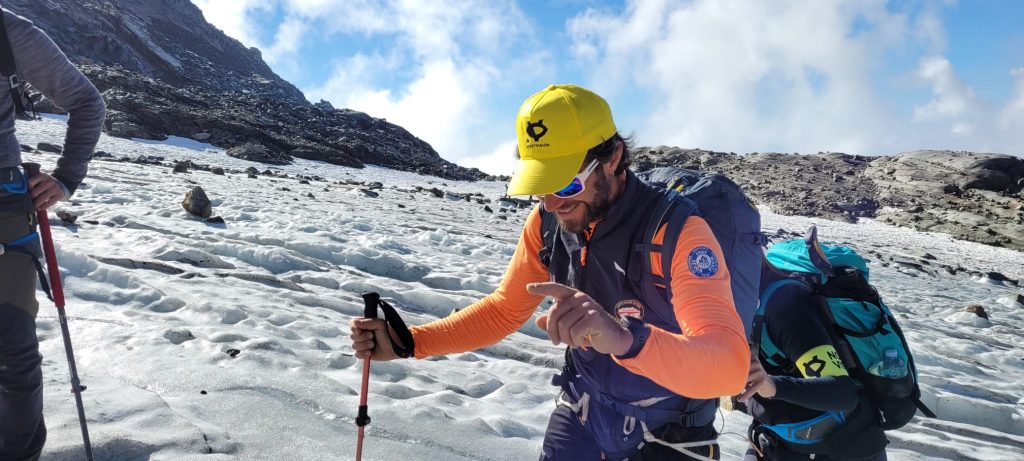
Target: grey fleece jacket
[(43, 65)]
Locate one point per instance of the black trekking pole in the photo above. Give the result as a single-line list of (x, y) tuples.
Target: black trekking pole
[(58, 298)]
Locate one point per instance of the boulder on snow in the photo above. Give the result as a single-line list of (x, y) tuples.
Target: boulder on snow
[(999, 277), (178, 335), (977, 310), (197, 203), (67, 217), (969, 319), (47, 147)]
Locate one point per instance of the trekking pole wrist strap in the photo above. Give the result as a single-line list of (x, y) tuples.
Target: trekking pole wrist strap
[(372, 302)]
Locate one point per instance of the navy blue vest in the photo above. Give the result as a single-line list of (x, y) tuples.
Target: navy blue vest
[(611, 250)]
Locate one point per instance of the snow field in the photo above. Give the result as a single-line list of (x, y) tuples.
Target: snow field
[(230, 341)]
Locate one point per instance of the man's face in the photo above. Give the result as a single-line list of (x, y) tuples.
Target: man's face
[(576, 213)]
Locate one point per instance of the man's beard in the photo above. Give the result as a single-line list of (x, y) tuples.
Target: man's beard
[(592, 212)]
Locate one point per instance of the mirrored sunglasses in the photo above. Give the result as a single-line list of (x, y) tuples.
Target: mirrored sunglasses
[(576, 186)]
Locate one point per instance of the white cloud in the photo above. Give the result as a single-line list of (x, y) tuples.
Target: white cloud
[(785, 75), (500, 161), (1011, 119), (440, 106), (443, 64), (741, 76), (233, 17), (731, 75), (952, 100), (450, 58)]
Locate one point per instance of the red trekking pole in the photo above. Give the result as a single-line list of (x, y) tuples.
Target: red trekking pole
[(403, 349), (370, 300), (57, 291)]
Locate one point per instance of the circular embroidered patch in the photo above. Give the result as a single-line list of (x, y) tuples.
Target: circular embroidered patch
[(630, 308), (703, 262)]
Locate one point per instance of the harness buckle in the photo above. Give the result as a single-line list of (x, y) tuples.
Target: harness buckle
[(3, 249), (14, 81)]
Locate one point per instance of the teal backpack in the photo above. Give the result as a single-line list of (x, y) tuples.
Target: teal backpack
[(866, 335)]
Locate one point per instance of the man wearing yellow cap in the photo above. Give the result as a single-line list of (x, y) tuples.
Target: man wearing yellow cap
[(644, 364)]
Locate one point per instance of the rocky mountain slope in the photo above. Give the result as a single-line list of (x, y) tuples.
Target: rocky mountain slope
[(971, 196), (165, 71)]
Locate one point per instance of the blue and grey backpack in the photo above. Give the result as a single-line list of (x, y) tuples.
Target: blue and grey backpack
[(867, 337), (733, 219), (617, 423)]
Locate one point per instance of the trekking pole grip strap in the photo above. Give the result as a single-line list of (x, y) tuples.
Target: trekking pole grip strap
[(371, 302)]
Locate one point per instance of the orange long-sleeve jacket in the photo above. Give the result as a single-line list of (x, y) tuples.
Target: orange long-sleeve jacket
[(710, 358)]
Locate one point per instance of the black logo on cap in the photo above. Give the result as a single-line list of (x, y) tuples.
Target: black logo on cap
[(531, 130)]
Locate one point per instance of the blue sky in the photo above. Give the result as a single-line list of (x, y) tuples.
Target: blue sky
[(863, 77)]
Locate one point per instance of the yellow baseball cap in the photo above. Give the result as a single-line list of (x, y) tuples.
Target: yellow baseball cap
[(556, 127)]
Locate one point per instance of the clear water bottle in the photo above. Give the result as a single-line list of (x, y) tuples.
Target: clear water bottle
[(892, 366)]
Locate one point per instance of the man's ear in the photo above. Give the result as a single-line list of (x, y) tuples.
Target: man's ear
[(611, 166)]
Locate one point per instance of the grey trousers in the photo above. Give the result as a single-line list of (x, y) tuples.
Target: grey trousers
[(22, 430)]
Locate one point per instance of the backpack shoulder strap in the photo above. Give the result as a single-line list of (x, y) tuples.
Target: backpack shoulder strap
[(670, 210), (9, 68), (548, 234), (7, 64), (681, 212), (760, 336)]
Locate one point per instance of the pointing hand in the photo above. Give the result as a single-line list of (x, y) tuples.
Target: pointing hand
[(578, 321)]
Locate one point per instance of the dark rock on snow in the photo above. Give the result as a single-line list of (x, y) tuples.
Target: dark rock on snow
[(197, 203), (47, 147), (977, 310), (67, 217)]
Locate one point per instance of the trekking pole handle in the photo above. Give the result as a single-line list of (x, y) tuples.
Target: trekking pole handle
[(31, 168), (370, 303)]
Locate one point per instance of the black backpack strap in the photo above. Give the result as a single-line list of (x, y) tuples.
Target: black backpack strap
[(9, 68), (924, 409), (681, 212), (371, 301), (670, 210), (548, 234), (775, 355)]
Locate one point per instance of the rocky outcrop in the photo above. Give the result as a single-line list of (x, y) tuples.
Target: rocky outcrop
[(259, 153), (168, 40), (971, 196), (967, 195), (163, 71), (828, 185)]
